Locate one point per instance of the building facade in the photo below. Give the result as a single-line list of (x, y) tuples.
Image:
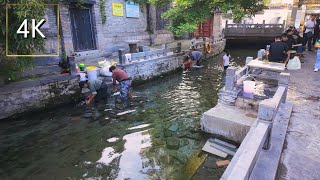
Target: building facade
[(85, 35)]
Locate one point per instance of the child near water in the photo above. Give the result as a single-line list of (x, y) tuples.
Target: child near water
[(317, 65), (187, 64), (226, 59)]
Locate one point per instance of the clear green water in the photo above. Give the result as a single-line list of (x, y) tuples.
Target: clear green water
[(154, 142)]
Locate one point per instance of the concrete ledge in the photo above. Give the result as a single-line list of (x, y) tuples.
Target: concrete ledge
[(227, 121), (20, 97)]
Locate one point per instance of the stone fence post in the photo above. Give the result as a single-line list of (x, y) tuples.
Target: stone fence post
[(266, 112), (230, 79), (165, 47), (283, 80), (72, 63), (121, 56), (179, 49)]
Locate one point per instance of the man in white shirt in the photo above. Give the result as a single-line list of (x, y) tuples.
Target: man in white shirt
[(309, 31)]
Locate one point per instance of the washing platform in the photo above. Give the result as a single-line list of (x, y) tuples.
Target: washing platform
[(228, 121)]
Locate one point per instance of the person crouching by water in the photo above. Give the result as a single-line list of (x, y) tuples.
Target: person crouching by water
[(98, 89), (226, 60), (124, 84), (195, 57)]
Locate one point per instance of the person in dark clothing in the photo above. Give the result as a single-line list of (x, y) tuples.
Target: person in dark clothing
[(278, 51), (309, 32), (297, 44), (316, 32), (290, 34), (288, 40)]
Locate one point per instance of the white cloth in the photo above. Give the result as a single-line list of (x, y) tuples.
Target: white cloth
[(310, 24), (128, 58), (226, 60), (294, 64)]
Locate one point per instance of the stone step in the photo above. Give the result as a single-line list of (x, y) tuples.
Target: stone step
[(46, 61), (228, 121), (41, 70)]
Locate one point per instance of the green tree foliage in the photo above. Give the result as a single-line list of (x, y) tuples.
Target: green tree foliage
[(187, 14), (17, 44)]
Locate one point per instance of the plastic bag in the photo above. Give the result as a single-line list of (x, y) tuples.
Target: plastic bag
[(105, 72), (104, 64), (294, 64)]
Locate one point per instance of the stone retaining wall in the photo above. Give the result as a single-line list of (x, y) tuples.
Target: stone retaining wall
[(27, 96), (37, 94), (147, 69)]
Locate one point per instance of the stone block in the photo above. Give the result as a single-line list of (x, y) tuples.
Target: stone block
[(284, 78), (227, 121), (267, 110)]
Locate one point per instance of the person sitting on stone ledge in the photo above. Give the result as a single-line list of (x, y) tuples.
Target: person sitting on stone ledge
[(279, 51), (98, 89)]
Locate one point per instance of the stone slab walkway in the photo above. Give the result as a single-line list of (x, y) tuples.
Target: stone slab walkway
[(300, 157)]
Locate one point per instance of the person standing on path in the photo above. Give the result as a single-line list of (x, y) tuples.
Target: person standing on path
[(124, 84), (317, 64), (226, 59), (316, 32), (309, 33)]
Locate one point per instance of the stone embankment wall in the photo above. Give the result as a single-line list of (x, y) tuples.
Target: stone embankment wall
[(37, 94), (28, 96), (147, 69), (144, 70)]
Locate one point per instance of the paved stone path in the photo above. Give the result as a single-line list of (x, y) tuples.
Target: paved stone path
[(301, 154)]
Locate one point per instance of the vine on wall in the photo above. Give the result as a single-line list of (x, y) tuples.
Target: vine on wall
[(103, 11)]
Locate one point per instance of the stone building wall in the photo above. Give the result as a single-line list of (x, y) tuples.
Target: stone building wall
[(116, 32)]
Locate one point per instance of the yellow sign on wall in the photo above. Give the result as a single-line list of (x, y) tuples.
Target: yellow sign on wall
[(117, 9)]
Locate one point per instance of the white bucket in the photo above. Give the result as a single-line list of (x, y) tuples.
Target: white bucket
[(261, 53), (92, 74), (248, 88), (248, 59)]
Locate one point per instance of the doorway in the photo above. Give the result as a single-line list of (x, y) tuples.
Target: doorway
[(83, 35)]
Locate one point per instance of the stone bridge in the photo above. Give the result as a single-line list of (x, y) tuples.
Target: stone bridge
[(253, 32)]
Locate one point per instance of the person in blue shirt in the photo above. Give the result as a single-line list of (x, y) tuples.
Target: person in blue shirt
[(195, 57)]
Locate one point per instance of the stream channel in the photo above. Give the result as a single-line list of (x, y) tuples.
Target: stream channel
[(155, 142)]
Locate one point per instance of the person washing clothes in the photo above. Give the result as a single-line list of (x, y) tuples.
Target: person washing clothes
[(98, 89), (195, 57), (124, 82), (226, 60)]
